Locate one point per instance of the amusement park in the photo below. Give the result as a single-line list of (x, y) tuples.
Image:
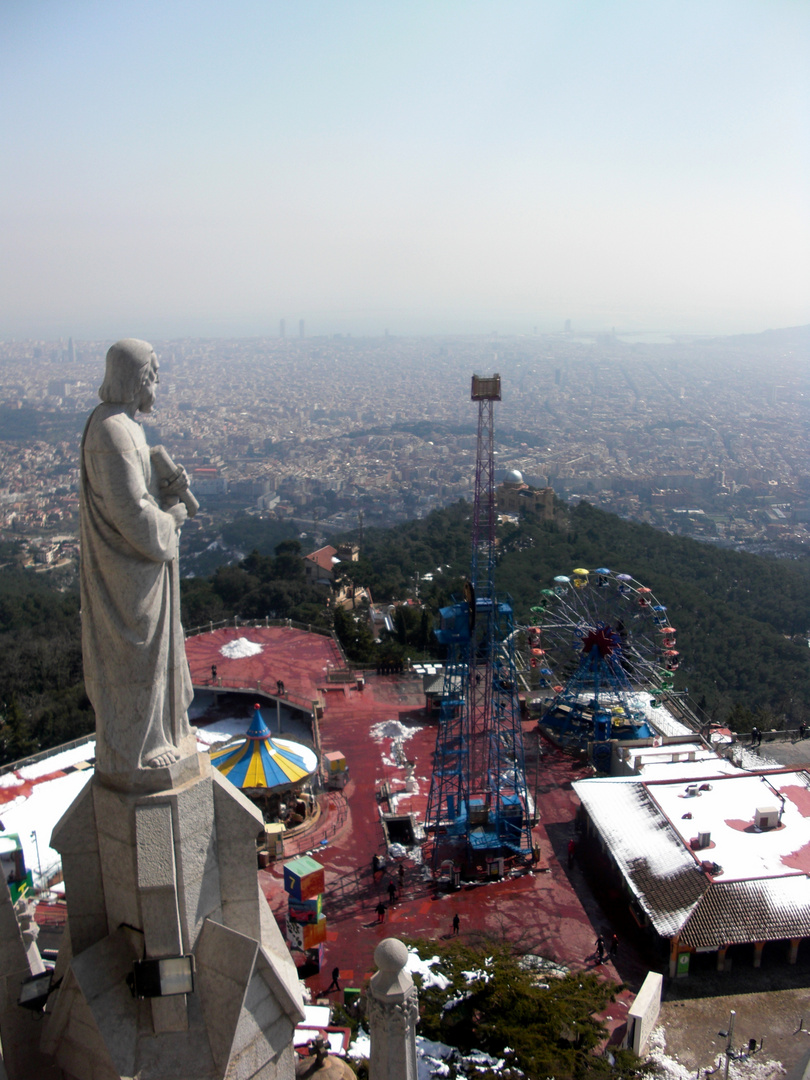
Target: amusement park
[(518, 788)]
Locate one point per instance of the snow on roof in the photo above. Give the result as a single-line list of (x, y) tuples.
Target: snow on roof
[(657, 868), (678, 761), (761, 891), (727, 811)]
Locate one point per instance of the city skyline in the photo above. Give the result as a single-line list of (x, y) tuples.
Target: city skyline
[(173, 171)]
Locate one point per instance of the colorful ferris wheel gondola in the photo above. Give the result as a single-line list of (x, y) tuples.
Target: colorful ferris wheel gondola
[(607, 646)]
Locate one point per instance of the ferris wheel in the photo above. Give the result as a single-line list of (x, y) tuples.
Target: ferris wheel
[(604, 622)]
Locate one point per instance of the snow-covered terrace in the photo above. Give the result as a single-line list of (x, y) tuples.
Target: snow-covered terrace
[(725, 807)]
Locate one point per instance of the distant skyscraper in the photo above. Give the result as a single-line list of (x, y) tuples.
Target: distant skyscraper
[(282, 329), (300, 327), (71, 355)]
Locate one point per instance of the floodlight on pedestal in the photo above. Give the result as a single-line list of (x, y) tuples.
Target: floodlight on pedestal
[(162, 977), (34, 991)]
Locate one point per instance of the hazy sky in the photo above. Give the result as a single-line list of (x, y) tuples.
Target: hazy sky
[(192, 169)]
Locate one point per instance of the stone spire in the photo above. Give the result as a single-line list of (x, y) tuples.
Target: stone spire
[(393, 1009)]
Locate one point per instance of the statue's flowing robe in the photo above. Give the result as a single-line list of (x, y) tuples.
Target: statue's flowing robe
[(135, 667)]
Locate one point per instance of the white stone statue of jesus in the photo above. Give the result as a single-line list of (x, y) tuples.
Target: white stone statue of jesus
[(135, 667)]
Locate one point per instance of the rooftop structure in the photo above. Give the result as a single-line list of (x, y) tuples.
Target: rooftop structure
[(713, 861)]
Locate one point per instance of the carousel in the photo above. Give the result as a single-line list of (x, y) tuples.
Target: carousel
[(275, 774)]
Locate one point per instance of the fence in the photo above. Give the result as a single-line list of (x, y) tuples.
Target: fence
[(320, 836), (43, 754)]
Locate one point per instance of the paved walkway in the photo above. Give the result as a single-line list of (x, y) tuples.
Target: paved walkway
[(551, 912)]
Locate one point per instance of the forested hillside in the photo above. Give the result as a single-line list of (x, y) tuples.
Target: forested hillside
[(42, 698), (742, 620)]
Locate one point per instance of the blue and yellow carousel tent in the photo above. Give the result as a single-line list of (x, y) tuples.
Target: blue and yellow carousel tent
[(259, 761)]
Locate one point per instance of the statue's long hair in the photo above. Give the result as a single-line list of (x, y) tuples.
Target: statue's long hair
[(127, 364)]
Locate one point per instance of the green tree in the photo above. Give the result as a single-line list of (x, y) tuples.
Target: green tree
[(16, 740), (289, 562), (355, 637), (497, 1003)]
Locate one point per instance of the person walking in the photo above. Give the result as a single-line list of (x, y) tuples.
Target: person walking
[(392, 893), (380, 909), (572, 847), (456, 924), (600, 950), (334, 984)]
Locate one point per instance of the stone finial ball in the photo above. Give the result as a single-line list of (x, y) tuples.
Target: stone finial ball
[(391, 955)]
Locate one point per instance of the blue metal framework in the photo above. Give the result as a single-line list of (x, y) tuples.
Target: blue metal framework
[(478, 793)]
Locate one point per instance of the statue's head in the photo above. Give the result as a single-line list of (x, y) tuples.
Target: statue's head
[(131, 365)]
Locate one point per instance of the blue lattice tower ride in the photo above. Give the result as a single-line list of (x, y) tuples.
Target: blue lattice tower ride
[(478, 803)]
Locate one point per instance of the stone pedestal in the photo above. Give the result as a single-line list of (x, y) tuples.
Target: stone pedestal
[(393, 1010), (165, 872)]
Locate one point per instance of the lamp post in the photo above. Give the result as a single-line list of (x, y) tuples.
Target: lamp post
[(39, 861), (729, 1051)]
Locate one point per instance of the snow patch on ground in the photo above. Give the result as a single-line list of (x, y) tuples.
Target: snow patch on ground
[(392, 729), (240, 648), (433, 1058), (417, 966), (744, 1068)]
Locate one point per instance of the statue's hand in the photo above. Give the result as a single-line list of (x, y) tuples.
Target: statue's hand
[(176, 486), (179, 513)]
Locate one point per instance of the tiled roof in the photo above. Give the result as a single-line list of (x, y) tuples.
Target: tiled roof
[(653, 861), (769, 909), (324, 557), (672, 890)]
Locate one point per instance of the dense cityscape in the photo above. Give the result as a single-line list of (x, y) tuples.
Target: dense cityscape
[(704, 437)]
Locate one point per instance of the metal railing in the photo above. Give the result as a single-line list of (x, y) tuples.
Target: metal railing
[(322, 833), (266, 689), (12, 766), (236, 622)]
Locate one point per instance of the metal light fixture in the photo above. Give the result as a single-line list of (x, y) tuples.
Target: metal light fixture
[(35, 990), (162, 977)]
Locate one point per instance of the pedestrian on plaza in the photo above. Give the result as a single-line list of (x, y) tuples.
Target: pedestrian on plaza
[(755, 735), (334, 984), (456, 923), (380, 909), (401, 875), (802, 729), (377, 865), (600, 950), (213, 673), (572, 847), (614, 947), (392, 892)]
